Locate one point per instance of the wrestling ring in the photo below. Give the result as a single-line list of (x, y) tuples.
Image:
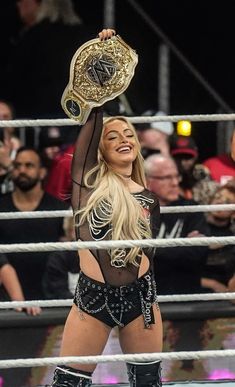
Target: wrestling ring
[(203, 357)]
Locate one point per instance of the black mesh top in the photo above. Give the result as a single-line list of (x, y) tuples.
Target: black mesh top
[(85, 158)]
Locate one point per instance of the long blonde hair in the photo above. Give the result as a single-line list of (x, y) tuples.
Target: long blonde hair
[(126, 215)]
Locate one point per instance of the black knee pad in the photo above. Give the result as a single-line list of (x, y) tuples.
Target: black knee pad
[(144, 374), (71, 377)]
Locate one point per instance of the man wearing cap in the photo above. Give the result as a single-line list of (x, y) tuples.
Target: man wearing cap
[(154, 137), (196, 182), (222, 166)]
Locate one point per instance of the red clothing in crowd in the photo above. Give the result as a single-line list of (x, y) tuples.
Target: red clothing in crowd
[(59, 183), (222, 168)]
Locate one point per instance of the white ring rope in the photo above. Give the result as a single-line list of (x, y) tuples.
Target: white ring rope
[(134, 120), (195, 208), (184, 355), (163, 209), (161, 299), (35, 214), (73, 246)]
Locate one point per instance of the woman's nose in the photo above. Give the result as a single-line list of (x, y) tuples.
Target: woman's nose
[(124, 139)]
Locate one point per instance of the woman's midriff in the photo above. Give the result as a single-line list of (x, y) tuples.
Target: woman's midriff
[(90, 266)]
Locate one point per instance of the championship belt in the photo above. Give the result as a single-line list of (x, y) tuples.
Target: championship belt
[(99, 72)]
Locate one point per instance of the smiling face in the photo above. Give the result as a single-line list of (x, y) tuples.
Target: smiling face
[(119, 145)]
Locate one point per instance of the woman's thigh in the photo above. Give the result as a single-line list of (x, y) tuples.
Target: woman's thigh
[(135, 338), (83, 335)]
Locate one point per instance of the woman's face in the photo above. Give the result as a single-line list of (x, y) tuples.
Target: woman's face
[(119, 144)]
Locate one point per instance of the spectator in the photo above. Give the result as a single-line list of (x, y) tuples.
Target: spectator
[(222, 167), (177, 269), (221, 259), (61, 275), (10, 288), (7, 112), (196, 181), (49, 28), (55, 148), (9, 143), (154, 137), (28, 195), (50, 144), (59, 181)]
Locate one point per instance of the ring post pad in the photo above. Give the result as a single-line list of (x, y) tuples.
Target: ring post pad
[(99, 72)]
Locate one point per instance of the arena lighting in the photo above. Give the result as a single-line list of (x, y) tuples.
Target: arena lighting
[(183, 128)]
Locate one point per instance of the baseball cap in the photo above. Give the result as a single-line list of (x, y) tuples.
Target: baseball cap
[(184, 145), (50, 136), (164, 127)]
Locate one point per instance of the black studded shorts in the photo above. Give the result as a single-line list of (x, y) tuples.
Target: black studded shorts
[(117, 305)]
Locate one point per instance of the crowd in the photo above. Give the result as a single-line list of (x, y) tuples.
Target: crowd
[(36, 176), (39, 179)]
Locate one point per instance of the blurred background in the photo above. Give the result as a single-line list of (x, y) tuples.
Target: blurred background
[(186, 59)]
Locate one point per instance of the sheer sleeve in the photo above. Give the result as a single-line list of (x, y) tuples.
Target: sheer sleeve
[(85, 156), (155, 220)]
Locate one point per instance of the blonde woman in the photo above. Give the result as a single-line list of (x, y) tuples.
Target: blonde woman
[(116, 286)]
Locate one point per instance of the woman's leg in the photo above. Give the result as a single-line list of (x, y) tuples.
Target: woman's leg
[(135, 338), (83, 335)]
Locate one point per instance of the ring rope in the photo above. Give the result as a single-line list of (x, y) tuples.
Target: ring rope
[(35, 214), (163, 209), (73, 246), (182, 355), (134, 120), (161, 299), (16, 363)]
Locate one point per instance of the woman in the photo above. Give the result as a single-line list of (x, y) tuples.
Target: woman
[(116, 286)]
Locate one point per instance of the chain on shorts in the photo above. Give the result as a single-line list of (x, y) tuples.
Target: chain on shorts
[(117, 305)]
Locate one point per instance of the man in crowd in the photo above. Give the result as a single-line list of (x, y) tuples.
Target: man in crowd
[(178, 270), (28, 195), (196, 180), (9, 143), (154, 137)]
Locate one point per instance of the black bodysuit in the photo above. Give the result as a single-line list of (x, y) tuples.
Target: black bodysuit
[(85, 158)]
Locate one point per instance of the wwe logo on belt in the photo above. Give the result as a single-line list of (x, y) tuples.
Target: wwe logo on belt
[(101, 70), (73, 107)]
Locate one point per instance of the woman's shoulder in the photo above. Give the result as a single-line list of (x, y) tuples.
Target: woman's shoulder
[(147, 197)]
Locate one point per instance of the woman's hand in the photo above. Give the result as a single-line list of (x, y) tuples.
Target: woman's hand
[(106, 34)]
